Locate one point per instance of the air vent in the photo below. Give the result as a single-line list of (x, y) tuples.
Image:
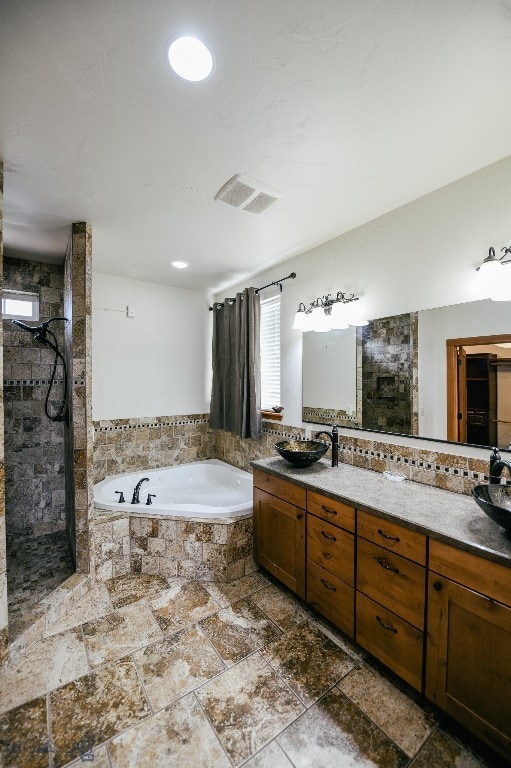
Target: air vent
[(247, 194)]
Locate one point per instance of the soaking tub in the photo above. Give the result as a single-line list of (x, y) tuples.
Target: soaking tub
[(203, 489)]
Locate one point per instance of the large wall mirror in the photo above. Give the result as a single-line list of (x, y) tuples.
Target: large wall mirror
[(392, 375)]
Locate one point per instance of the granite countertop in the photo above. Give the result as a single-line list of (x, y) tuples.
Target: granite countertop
[(449, 517)]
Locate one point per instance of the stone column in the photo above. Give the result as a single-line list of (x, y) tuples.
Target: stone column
[(80, 434)]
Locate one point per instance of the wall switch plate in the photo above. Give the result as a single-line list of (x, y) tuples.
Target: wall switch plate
[(130, 311)]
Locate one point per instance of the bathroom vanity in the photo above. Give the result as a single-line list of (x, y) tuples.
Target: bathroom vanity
[(417, 576)]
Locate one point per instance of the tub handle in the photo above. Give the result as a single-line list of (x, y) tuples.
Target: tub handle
[(121, 499), (150, 496)]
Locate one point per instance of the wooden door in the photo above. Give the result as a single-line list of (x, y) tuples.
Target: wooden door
[(279, 539), (468, 668)]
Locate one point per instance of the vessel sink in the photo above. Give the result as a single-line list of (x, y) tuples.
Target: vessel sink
[(495, 501), (301, 453)]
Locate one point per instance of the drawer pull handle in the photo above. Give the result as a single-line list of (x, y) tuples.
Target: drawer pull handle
[(437, 586), (386, 626), (328, 536), (328, 586), (386, 565), (299, 516), (327, 555), (328, 511), (392, 538)]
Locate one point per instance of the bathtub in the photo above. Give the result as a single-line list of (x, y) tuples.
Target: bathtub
[(203, 489)]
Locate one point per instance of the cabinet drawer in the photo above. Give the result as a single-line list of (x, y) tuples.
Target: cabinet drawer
[(392, 581), (393, 536), (392, 640), (331, 548), (281, 488), (331, 597), (335, 512), (477, 573)]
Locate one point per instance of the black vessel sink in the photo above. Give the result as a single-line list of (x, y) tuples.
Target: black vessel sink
[(495, 501), (302, 453)]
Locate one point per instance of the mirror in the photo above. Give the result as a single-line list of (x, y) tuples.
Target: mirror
[(391, 376)]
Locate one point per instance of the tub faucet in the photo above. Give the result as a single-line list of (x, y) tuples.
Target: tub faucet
[(136, 492), (334, 437)]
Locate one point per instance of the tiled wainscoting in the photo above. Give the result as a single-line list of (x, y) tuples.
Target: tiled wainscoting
[(221, 551), (125, 445), (206, 551)]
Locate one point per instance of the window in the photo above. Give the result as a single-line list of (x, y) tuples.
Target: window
[(270, 352), (17, 305)]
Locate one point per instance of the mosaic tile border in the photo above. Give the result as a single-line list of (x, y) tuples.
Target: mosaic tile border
[(121, 425)]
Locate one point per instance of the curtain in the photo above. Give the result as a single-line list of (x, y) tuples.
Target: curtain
[(236, 390)]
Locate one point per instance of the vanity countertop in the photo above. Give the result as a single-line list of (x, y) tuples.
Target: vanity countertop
[(449, 517)]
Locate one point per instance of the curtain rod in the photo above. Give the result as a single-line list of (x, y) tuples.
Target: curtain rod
[(275, 282)]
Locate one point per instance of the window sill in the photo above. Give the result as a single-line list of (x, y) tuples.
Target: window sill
[(271, 415)]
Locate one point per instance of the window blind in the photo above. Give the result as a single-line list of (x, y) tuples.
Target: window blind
[(270, 352)]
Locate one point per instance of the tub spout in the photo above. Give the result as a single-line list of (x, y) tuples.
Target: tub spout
[(136, 492)]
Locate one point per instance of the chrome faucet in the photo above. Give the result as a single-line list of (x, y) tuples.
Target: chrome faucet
[(334, 437), (136, 492)]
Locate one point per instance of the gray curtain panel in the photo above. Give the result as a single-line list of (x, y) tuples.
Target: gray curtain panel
[(236, 390)]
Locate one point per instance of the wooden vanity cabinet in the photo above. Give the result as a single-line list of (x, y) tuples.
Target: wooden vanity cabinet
[(390, 596), (468, 663), (331, 560), (279, 529)]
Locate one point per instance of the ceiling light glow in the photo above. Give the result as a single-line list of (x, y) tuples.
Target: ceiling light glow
[(179, 264), (190, 59)]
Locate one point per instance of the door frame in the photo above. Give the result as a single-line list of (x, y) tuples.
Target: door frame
[(453, 403)]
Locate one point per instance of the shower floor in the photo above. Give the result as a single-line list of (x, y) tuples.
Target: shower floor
[(35, 567)]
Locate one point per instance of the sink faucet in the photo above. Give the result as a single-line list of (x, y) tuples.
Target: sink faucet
[(497, 465), (334, 437), (136, 492)]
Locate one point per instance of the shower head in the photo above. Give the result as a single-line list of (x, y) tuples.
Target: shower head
[(30, 328)]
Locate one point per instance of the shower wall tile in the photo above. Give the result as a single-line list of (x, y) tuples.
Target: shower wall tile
[(4, 630), (34, 445)]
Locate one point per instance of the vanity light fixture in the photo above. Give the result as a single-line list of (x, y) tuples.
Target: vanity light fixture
[(328, 313), (494, 275)]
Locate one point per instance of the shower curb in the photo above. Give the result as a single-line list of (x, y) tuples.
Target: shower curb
[(52, 608)]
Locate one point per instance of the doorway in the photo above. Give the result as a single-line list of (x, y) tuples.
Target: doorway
[(479, 390)]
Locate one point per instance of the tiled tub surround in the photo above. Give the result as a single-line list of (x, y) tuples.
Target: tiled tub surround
[(34, 445), (217, 550), (125, 445)]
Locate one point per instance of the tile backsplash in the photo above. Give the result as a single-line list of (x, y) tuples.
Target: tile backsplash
[(133, 444)]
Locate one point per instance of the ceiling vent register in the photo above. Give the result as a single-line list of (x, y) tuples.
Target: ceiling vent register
[(246, 194)]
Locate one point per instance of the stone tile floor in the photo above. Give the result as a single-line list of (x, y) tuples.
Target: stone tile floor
[(149, 672), (35, 567)]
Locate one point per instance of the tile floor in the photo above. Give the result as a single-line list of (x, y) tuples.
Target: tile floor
[(35, 567), (149, 672)]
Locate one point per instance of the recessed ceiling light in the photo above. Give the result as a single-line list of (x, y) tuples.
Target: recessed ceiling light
[(190, 59), (179, 264)]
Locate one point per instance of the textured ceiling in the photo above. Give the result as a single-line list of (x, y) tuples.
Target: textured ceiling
[(350, 108)]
